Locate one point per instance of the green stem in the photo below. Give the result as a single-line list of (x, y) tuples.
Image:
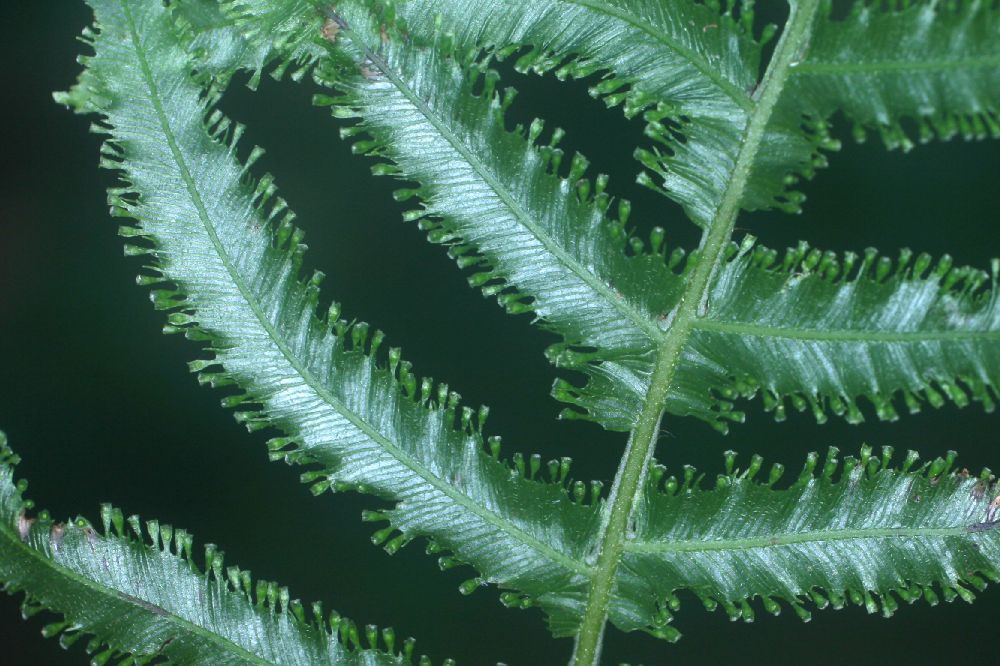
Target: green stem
[(693, 304)]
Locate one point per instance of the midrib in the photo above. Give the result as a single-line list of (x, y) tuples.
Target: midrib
[(311, 381), (875, 67), (792, 538), (745, 329), (634, 466)]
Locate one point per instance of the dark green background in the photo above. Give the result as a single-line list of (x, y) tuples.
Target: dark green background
[(101, 407)]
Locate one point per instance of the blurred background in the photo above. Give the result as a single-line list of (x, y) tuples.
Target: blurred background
[(102, 409)]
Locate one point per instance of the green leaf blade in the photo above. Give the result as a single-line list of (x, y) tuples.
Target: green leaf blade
[(495, 199), (822, 332), (492, 197), (143, 596), (870, 536), (934, 64), (211, 33), (232, 254), (690, 67)]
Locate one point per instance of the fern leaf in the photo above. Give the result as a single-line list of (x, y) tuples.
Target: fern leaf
[(568, 266), (820, 331), (231, 256), (934, 64), (486, 190), (280, 26), (540, 240), (222, 47), (688, 68), (873, 534), (141, 596)]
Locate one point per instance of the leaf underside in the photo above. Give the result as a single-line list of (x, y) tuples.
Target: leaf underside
[(933, 65), (543, 240), (810, 329), (855, 531), (226, 259), (134, 593)]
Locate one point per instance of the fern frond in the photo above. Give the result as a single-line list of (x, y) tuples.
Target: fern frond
[(933, 64), (549, 247), (138, 596), (689, 68), (865, 538), (230, 256), (545, 240), (819, 331), (281, 37), (221, 48), (540, 240)]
